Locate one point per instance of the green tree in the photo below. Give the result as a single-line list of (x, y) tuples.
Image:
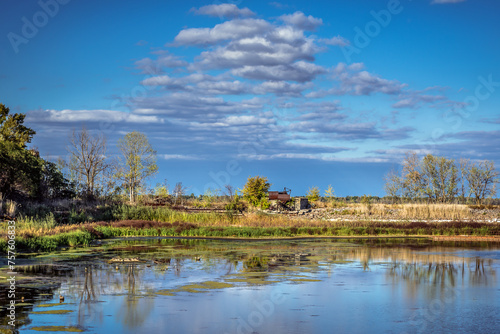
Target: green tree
[(313, 194), (330, 193), (255, 191), (53, 183), (12, 128), (138, 162), (20, 170), (482, 179)]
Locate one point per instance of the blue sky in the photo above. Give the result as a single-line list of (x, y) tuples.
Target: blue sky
[(307, 93)]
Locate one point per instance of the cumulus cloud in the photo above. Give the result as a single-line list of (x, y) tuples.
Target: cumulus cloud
[(415, 100), (302, 21), (353, 80), (156, 66), (223, 10), (336, 41), (202, 104), (248, 120), (300, 71), (229, 30), (256, 51), (356, 82), (281, 88)]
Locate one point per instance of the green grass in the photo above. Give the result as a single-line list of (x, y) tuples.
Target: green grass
[(39, 229)]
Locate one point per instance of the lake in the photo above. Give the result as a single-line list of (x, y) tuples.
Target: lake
[(162, 285)]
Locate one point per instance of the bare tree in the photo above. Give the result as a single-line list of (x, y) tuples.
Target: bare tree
[(229, 191), (87, 159), (440, 178), (412, 177), (138, 162), (482, 179), (464, 166), (393, 184), (179, 192)]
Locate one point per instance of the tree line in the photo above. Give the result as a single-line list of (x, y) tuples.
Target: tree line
[(91, 173), (438, 179)]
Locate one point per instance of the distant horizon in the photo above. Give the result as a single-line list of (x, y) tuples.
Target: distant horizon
[(304, 93)]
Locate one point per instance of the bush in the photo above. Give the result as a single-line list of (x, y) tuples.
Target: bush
[(313, 194), (255, 191)]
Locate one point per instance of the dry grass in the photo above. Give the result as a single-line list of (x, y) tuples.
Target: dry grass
[(416, 211), (436, 211)]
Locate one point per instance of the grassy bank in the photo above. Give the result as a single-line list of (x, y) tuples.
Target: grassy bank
[(67, 224), (84, 234)]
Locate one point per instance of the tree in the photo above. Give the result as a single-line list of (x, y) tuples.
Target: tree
[(255, 191), (229, 191), (482, 179), (20, 168), (179, 192), (393, 184), (53, 183), (88, 160), (464, 166), (12, 128), (138, 162), (440, 178), (313, 194), (330, 193), (412, 177)]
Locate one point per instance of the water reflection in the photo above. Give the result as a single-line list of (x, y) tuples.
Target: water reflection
[(127, 287)]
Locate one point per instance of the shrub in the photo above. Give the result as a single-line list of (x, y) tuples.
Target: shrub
[(255, 190), (313, 194)]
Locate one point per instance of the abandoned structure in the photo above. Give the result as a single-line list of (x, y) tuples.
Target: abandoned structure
[(282, 196), (280, 200), (301, 203)]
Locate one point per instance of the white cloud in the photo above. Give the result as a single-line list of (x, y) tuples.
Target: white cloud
[(223, 10), (300, 71), (302, 21), (248, 120), (281, 88), (164, 60), (336, 41), (78, 116), (180, 157), (229, 30)]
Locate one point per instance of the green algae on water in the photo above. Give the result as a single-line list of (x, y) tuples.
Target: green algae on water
[(196, 288), (52, 312), (51, 304), (57, 329)]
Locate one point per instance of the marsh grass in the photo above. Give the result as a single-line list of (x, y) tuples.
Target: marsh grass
[(41, 227), (416, 211)]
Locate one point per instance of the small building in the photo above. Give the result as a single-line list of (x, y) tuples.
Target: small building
[(301, 203)]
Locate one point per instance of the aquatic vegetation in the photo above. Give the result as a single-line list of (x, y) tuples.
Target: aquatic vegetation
[(51, 304), (196, 288), (57, 329), (52, 312)]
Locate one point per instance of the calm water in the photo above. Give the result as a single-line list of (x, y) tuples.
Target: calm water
[(307, 286)]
